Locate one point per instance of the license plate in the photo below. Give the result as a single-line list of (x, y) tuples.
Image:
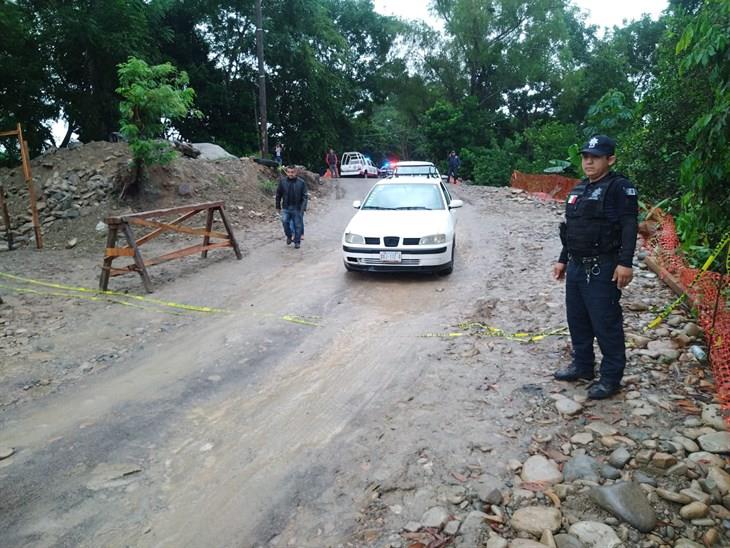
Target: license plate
[(390, 256)]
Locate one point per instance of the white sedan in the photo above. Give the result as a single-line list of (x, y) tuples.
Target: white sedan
[(403, 224)]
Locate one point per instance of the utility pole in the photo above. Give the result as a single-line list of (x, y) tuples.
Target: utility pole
[(263, 123)]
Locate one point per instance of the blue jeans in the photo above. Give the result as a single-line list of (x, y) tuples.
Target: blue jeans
[(594, 311), (293, 222)]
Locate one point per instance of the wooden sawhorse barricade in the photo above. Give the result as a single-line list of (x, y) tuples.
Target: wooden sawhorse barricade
[(149, 219)]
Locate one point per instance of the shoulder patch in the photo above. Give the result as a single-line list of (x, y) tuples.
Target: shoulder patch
[(630, 191)]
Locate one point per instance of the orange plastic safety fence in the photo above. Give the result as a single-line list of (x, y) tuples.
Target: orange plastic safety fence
[(556, 187), (712, 309)]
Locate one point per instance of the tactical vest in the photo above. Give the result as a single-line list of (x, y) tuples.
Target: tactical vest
[(589, 232)]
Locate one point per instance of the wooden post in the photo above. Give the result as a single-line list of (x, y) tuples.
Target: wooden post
[(208, 228), (31, 187), (234, 243), (111, 242), (137, 257), (6, 217)]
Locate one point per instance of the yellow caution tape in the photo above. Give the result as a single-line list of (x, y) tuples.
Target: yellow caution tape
[(479, 329), (117, 297), (169, 304), (676, 302)]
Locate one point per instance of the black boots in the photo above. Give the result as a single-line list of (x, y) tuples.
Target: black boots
[(572, 374)]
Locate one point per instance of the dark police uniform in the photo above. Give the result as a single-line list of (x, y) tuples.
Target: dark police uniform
[(598, 234)]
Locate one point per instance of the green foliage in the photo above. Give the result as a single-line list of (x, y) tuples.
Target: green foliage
[(153, 97), (610, 115), (545, 144), (268, 186), (491, 166), (704, 49)]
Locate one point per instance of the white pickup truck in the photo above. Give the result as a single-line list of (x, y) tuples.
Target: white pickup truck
[(354, 164)]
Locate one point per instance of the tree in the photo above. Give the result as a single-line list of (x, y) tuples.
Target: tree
[(153, 96)]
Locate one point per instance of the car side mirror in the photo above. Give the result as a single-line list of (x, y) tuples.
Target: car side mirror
[(455, 203), (356, 204)]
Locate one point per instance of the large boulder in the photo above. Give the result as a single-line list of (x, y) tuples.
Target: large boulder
[(209, 151)]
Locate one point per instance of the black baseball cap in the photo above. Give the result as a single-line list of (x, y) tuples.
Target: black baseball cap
[(599, 145)]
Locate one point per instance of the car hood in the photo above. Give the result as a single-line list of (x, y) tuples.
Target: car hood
[(407, 224)]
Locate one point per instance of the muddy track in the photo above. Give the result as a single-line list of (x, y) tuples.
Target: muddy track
[(248, 430)]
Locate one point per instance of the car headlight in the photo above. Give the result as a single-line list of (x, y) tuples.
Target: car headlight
[(433, 239), (351, 238)]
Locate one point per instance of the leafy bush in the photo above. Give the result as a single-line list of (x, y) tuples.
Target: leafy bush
[(154, 96)]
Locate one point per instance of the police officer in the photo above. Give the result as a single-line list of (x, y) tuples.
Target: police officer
[(599, 238)]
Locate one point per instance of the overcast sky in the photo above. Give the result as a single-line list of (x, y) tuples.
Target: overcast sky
[(606, 13)]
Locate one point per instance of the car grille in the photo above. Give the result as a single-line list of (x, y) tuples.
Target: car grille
[(372, 241), (404, 262), (391, 241), (411, 241)]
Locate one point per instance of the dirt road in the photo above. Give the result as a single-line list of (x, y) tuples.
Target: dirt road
[(245, 429)]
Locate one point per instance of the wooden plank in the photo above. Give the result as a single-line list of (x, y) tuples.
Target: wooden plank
[(168, 211), (178, 228), (169, 257), (185, 252), (137, 258), (119, 252), (208, 228), (11, 133), (25, 157), (111, 242), (6, 218), (665, 276), (147, 237), (229, 229)]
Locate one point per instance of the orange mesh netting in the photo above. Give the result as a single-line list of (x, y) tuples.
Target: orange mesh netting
[(544, 185), (712, 309)]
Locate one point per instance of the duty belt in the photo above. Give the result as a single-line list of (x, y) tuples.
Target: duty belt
[(590, 259)]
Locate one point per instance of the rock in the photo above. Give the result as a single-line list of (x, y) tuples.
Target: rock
[(489, 492), (101, 226), (495, 541), (595, 535), (663, 460), (185, 189), (582, 438), (436, 517), (711, 537), (686, 443), (697, 494), (525, 543), (601, 428), (720, 478), (412, 526), (719, 442), (644, 478), (547, 539), (703, 457), (609, 472), (626, 501), (694, 510), (567, 541), (566, 406), (712, 416), (209, 151), (452, 527), (71, 243), (686, 543), (672, 496), (539, 469), (692, 330), (581, 467), (535, 519), (6, 452), (619, 457), (638, 341), (471, 528)]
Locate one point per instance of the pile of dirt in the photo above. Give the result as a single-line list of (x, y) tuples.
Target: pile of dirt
[(78, 188)]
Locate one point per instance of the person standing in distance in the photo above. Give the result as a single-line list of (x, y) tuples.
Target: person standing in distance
[(599, 239), (331, 161), (279, 153), (454, 164), (291, 200)]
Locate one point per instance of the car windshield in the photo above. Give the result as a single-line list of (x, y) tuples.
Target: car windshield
[(422, 171), (411, 196)]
